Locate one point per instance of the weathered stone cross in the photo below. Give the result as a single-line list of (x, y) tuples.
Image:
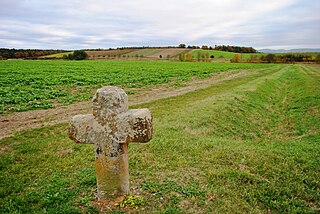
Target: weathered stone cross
[(110, 128)]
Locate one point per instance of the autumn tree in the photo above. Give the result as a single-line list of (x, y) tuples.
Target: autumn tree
[(318, 58), (236, 58), (204, 47)]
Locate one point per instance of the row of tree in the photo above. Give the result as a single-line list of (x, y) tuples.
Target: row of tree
[(228, 48), (6, 53), (236, 49), (278, 58), (200, 57)]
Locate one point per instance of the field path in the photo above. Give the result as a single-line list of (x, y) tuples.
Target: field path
[(20, 121)]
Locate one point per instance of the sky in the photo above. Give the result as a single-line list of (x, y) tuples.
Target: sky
[(76, 24)]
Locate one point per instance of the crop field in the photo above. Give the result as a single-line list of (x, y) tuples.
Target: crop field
[(250, 144), (29, 85)]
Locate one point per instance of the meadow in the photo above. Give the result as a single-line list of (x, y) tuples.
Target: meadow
[(245, 145), (222, 54), (58, 55), (30, 85)]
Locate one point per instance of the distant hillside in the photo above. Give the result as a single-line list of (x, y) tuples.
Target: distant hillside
[(6, 53), (57, 56), (302, 50)]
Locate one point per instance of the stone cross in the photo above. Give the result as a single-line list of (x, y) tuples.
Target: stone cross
[(110, 128)]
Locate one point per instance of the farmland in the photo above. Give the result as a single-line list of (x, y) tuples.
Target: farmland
[(58, 55), (29, 85), (248, 145), (222, 54), (173, 54)]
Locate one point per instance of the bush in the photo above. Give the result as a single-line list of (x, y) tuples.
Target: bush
[(76, 55), (80, 55), (318, 58)]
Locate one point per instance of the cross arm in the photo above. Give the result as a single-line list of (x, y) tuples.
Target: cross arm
[(80, 128), (140, 125)]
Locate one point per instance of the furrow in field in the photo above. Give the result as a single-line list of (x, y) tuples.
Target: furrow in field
[(20, 121)]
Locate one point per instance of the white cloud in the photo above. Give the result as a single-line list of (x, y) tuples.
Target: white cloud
[(101, 23)]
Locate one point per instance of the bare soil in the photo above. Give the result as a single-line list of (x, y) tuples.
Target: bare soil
[(164, 53), (20, 121)]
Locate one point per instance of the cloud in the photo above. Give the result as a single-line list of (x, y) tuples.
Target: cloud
[(73, 24)]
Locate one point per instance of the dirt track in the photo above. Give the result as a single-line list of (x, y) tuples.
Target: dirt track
[(15, 122)]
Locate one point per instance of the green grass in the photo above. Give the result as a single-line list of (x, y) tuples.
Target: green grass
[(247, 145), (229, 55), (222, 54), (29, 85), (58, 55)]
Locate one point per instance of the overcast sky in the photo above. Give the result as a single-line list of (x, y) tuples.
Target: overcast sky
[(76, 24)]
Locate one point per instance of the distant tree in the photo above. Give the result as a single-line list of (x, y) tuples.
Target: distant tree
[(236, 58), (204, 47), (80, 55), (253, 58), (198, 56), (318, 58), (70, 56), (188, 57), (182, 45), (236, 49), (182, 57), (206, 56), (270, 58)]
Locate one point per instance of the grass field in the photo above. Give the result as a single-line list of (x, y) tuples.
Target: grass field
[(246, 145), (222, 54), (29, 85), (58, 55)]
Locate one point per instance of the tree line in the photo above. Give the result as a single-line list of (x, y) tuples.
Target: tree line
[(279, 58), (236, 49), (6, 53)]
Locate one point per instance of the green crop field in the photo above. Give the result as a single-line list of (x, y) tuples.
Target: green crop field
[(246, 145), (29, 85)]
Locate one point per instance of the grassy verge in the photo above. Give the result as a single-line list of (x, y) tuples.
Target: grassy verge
[(245, 145)]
